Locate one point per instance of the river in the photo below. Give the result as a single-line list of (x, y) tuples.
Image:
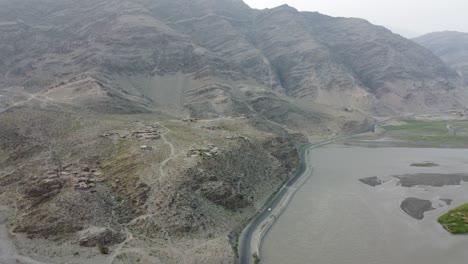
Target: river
[(336, 219)]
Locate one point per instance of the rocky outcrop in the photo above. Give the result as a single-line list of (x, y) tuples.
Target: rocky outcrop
[(65, 214), (232, 179), (231, 182), (94, 236)]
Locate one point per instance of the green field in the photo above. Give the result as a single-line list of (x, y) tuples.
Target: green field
[(419, 126), (456, 220), (424, 164), (431, 133)]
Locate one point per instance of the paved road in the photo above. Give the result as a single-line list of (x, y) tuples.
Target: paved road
[(247, 235), (245, 240)]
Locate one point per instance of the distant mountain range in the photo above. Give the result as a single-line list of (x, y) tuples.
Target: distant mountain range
[(451, 46)]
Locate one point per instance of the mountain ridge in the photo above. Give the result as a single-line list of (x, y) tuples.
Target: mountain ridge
[(226, 52), (154, 130), (451, 46)]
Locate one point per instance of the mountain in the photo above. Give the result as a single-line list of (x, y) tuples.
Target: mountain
[(213, 58), (451, 46), (149, 131)]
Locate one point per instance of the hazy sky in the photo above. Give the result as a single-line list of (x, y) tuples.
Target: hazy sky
[(406, 17)]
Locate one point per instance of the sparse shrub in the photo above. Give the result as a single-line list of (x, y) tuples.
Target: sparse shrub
[(256, 258), (103, 249)]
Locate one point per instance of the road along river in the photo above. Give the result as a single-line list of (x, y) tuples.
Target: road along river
[(251, 237), (335, 218)]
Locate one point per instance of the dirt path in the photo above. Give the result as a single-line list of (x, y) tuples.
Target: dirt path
[(14, 104), (8, 252), (177, 253), (42, 98), (119, 249), (171, 146)]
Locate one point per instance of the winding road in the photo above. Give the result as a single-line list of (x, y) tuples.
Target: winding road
[(251, 236)]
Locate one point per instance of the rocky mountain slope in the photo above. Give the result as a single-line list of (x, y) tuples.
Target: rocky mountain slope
[(211, 58), (148, 188), (451, 46), (148, 131)]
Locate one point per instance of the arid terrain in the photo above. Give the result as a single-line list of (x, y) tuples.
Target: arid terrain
[(153, 131), (147, 186), (451, 47)]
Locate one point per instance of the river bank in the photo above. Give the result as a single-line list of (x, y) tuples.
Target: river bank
[(251, 237), (334, 210)]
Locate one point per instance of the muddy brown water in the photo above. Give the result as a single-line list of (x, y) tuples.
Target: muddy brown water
[(336, 219)]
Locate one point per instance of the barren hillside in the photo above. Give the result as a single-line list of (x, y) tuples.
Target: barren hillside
[(451, 46), (213, 58), (148, 131)]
